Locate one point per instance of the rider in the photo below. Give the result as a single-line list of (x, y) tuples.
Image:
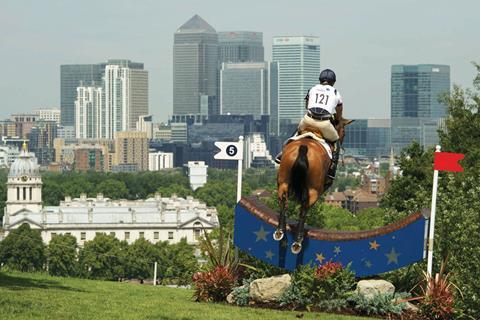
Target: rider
[(324, 104)]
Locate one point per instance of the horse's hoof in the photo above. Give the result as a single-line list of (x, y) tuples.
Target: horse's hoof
[(278, 235), (296, 247)]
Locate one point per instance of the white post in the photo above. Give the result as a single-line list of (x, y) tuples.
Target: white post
[(155, 274), (432, 220), (239, 177)]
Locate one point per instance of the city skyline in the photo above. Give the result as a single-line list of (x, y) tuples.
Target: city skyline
[(361, 47)]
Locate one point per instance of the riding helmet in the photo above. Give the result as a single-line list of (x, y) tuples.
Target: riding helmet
[(328, 76)]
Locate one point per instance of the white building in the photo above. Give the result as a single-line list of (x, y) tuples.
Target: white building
[(256, 149), (8, 155), (298, 69), (88, 112), (160, 160), (49, 114), (155, 219), (197, 173), (145, 124)]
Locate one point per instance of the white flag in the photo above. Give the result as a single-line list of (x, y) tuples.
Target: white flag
[(229, 151)]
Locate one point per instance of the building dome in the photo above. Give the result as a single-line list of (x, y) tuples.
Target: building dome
[(24, 165)]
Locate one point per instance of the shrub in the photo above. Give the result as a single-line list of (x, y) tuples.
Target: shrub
[(438, 296), (379, 304), (326, 286), (214, 285), (241, 294), (62, 256)]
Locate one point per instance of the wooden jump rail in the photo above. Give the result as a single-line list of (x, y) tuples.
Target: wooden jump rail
[(260, 210)]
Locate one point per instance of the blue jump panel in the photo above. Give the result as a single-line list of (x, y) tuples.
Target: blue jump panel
[(367, 256)]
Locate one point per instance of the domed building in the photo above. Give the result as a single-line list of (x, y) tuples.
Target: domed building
[(155, 219)]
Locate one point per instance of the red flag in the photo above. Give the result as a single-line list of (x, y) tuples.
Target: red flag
[(447, 161)]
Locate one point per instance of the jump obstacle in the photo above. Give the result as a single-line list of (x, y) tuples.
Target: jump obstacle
[(368, 252)]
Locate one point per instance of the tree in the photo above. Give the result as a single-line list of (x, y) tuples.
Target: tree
[(140, 258), (23, 249), (52, 194), (103, 258), (180, 261), (175, 188), (62, 256), (112, 189)]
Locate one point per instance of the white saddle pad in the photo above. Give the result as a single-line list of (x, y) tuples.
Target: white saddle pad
[(322, 142)]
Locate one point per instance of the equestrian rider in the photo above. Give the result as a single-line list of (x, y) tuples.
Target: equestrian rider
[(324, 104)]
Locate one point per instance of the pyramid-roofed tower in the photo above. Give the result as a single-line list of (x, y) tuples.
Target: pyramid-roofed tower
[(196, 24)]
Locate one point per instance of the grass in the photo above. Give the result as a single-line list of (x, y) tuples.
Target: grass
[(38, 296)]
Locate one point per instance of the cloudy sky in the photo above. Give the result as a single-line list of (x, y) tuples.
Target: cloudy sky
[(360, 40)]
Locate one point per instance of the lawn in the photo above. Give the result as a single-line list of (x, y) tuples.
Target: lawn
[(37, 296)]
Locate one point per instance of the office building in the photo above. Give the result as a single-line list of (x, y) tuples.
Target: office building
[(72, 76), (298, 70), (160, 160), (8, 128), (256, 152), (131, 148), (42, 138), (195, 68), (145, 124), (127, 86), (368, 137), (88, 112), (89, 159), (241, 46), (24, 122), (49, 114), (416, 110)]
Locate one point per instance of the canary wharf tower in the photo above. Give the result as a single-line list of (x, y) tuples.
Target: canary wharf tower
[(195, 68)]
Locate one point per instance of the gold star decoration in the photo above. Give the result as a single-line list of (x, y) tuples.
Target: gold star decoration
[(337, 250), (320, 257), (374, 245), (392, 256), (261, 234), (269, 254)]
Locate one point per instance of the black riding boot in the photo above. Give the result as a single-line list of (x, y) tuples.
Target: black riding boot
[(333, 167)]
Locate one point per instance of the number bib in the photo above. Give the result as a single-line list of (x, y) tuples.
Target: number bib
[(324, 97)]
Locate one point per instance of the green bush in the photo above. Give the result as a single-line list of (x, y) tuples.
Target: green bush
[(62, 257), (323, 286), (241, 294), (379, 304)]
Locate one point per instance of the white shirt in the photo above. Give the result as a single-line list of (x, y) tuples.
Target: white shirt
[(324, 96)]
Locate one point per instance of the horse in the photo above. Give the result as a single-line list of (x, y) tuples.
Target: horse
[(302, 173)]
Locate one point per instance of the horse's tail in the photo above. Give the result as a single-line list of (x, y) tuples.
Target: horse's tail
[(298, 176)]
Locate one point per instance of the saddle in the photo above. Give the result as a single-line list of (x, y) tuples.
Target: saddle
[(315, 135)]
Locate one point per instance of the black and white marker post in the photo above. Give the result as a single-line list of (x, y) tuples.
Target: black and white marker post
[(232, 151)]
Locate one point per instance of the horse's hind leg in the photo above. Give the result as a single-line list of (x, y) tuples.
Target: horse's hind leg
[(297, 245), (281, 228)]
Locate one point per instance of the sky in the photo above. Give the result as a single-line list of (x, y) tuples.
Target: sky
[(359, 40)]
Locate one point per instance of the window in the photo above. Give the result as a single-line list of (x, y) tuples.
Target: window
[(170, 235), (30, 193), (83, 235), (127, 235), (18, 193), (197, 229), (68, 233), (142, 234), (97, 233), (155, 235), (24, 193), (54, 234), (112, 233)]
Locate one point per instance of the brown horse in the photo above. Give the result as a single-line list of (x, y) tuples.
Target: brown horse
[(302, 173)]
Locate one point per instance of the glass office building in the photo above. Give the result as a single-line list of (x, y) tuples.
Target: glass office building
[(241, 46), (416, 111), (298, 70), (368, 137), (195, 68), (72, 76)]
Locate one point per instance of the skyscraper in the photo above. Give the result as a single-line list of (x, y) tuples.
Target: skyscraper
[(241, 46), (88, 112), (250, 89), (298, 69), (195, 68), (415, 108), (71, 76)]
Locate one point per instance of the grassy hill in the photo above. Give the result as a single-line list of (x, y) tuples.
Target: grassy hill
[(36, 296)]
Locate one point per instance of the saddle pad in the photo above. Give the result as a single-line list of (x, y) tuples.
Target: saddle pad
[(322, 142)]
